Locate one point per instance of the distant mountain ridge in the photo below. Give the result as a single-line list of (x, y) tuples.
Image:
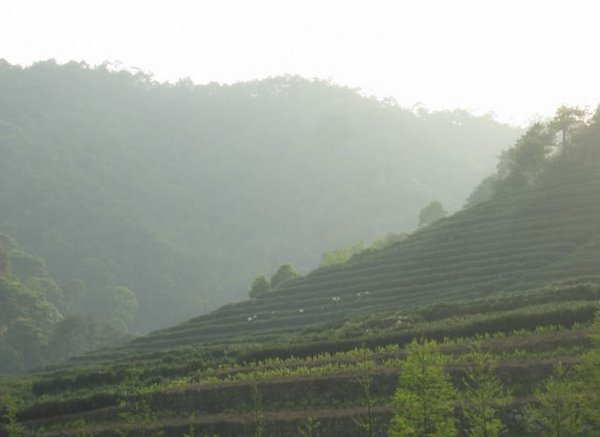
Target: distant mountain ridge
[(182, 193)]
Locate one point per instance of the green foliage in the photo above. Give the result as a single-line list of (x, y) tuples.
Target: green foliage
[(522, 164), (565, 121), (9, 404), (341, 255), (588, 371), (80, 424), (539, 154), (309, 427), (152, 388), (260, 285), (483, 192), (191, 432), (559, 406), (424, 400), (75, 293), (483, 394), (27, 320), (383, 243), (27, 266), (125, 306), (365, 380), (595, 330), (431, 213), (284, 273), (76, 335), (37, 325), (259, 419), (4, 263)]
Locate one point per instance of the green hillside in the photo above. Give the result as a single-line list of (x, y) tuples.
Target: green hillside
[(182, 192), (340, 379), (520, 240), (490, 317)]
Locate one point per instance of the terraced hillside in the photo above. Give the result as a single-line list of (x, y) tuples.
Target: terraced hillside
[(337, 378), (520, 241), (507, 290), (303, 384)]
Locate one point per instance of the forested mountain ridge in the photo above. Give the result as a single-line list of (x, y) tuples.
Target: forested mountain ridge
[(182, 193)]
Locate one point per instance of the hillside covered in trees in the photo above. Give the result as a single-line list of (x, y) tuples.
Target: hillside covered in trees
[(483, 323), (182, 193), (42, 322)]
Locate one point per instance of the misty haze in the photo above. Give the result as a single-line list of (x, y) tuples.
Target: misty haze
[(299, 220)]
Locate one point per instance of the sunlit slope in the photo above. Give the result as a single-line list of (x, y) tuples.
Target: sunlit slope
[(513, 242)]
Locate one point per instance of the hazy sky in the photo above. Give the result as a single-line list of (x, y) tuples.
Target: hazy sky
[(514, 57)]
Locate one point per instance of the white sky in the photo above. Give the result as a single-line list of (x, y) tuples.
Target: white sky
[(514, 57)]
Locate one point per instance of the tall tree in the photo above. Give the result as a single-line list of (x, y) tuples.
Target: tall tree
[(365, 381), (566, 119), (260, 285), (284, 273), (558, 411), (483, 394), (431, 213), (424, 401), (13, 427), (588, 371), (527, 158)]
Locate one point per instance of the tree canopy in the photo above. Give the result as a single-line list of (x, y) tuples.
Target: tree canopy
[(284, 273), (38, 324), (260, 285), (424, 400), (432, 213), (549, 148)]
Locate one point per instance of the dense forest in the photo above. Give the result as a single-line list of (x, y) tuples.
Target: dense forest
[(42, 322), (182, 193)]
